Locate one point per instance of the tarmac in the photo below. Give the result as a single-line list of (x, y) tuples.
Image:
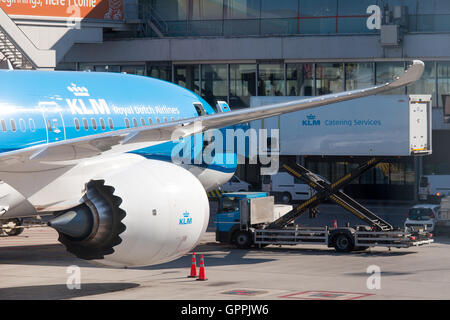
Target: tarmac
[(34, 265)]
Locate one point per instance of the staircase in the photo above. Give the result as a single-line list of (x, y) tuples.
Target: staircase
[(13, 54), (152, 21), (19, 50)]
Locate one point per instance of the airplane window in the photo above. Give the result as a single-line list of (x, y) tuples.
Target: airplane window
[(94, 124), (32, 125), (3, 125), (13, 125), (135, 123), (143, 121), (150, 121), (111, 123), (22, 125), (85, 124), (157, 120), (77, 124), (127, 123), (102, 124)]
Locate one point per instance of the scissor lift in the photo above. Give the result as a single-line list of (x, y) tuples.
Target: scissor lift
[(326, 190), (378, 233)]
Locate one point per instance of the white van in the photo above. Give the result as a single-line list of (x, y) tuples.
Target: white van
[(433, 187), (286, 187)]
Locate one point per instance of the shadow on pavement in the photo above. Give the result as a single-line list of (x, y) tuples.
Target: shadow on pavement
[(43, 255), (60, 291)]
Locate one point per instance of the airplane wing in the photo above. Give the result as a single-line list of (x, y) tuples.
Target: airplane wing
[(126, 140)]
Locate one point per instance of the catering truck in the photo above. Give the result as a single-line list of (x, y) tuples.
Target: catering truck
[(246, 219), (376, 127)]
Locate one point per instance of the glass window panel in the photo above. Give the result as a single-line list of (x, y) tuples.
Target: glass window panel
[(214, 83), (100, 69), (278, 26), (410, 173), (242, 84), (443, 70), (170, 10), (300, 79), (187, 76), (350, 167), (86, 67), (323, 169), (205, 28), (112, 68), (318, 26), (368, 177), (353, 25), (427, 83), (177, 28), (241, 9), (359, 75), (352, 7), (382, 173), (207, 9), (431, 7), (318, 8), (139, 70), (338, 170), (387, 71), (397, 173), (241, 27), (279, 9), (271, 80), (163, 72), (433, 23), (329, 78)]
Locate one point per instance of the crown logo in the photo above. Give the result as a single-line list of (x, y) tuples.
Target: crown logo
[(186, 214), (310, 117), (78, 91)]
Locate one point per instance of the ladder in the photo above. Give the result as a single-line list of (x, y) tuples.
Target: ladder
[(326, 190)]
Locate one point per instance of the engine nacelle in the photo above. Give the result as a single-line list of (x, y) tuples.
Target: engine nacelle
[(149, 213)]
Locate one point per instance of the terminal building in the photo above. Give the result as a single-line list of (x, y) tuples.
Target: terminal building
[(233, 50)]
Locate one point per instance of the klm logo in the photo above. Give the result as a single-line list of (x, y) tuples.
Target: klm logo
[(83, 107), (310, 121), (186, 219)]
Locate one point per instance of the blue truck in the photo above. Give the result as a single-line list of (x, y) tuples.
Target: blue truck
[(239, 212)]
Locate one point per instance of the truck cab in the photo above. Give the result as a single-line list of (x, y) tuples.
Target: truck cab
[(239, 211)]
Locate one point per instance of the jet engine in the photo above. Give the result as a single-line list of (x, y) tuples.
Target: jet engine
[(148, 213)]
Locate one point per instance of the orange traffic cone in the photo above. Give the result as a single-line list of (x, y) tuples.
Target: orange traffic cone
[(335, 224), (193, 267), (201, 274)]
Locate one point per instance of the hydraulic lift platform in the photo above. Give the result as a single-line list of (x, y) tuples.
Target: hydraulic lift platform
[(325, 190)]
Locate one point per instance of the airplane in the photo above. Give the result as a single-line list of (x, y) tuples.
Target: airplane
[(94, 150)]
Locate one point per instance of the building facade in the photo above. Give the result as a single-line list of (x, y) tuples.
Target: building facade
[(234, 49)]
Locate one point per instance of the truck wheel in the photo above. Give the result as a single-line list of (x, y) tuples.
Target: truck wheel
[(343, 243), (286, 198), (243, 239)]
